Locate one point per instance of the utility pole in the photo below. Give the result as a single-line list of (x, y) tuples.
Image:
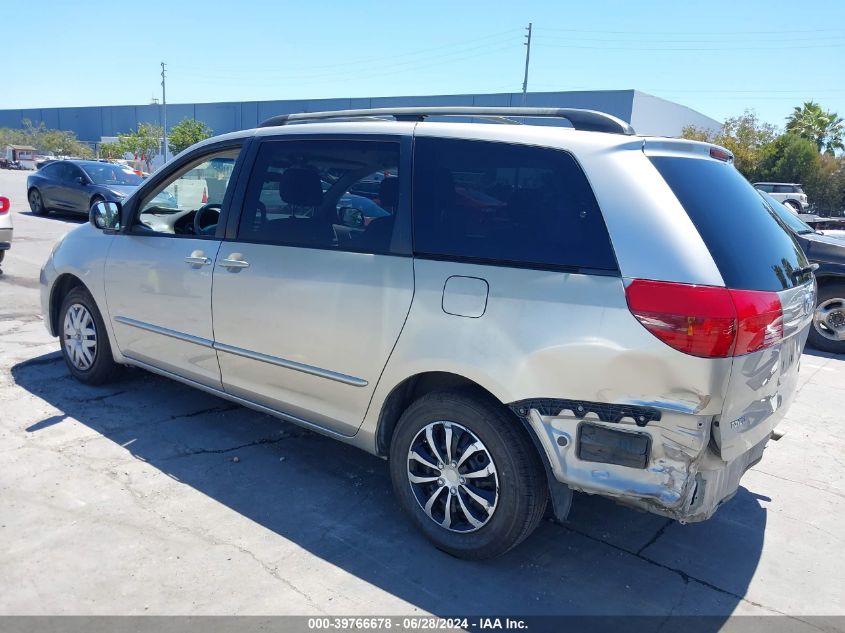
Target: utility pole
[(527, 58), (164, 113)]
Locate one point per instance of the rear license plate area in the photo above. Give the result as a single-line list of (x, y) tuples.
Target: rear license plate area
[(609, 446)]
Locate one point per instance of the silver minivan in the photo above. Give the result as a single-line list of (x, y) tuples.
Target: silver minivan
[(507, 311)]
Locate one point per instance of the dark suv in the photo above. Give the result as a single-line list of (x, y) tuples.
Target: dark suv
[(828, 331)]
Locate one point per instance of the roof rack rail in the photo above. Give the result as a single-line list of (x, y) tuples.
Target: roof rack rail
[(590, 120)]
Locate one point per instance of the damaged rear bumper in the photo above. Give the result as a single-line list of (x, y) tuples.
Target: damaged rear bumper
[(658, 461)]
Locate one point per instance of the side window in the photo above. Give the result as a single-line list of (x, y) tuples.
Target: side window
[(783, 188), (51, 170), (495, 202), (189, 203), (323, 194), (766, 188)]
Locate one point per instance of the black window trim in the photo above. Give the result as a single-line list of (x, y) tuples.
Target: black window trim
[(131, 212), (400, 245), (480, 261)]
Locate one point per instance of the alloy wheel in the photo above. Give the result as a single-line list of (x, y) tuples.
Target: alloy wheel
[(452, 476), (829, 319), (80, 337), (35, 201)]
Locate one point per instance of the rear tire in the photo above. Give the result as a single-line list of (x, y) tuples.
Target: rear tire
[(829, 319), (36, 202), (84, 340), (488, 513)]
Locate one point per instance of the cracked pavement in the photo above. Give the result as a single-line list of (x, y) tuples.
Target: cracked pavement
[(148, 497)]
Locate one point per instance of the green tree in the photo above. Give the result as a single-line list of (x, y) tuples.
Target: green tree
[(790, 158), (186, 133), (111, 150), (744, 135), (144, 143), (826, 129)]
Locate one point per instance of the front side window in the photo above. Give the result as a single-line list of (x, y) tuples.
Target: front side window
[(112, 174), (323, 194), (189, 203), (510, 204)]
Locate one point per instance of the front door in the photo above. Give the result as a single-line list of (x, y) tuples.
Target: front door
[(311, 296), (158, 274)]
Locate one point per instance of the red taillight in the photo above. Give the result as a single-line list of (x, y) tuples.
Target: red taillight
[(759, 320), (4, 204), (704, 320)]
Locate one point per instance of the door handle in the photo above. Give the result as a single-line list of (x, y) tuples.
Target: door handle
[(233, 262), (197, 258)]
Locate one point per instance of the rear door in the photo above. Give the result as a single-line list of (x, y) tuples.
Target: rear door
[(312, 292), (755, 252)]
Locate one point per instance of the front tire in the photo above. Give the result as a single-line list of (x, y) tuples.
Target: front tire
[(466, 474), (36, 202), (94, 201), (84, 341), (828, 330), (792, 206)]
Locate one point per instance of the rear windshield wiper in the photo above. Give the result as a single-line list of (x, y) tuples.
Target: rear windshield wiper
[(806, 270)]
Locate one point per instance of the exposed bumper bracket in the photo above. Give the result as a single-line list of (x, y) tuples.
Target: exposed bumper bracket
[(581, 408)]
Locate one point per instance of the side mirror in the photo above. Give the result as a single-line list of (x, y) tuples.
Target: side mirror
[(81, 180), (351, 217), (105, 216)]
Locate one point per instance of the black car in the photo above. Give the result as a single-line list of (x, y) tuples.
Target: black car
[(828, 331), (75, 185)]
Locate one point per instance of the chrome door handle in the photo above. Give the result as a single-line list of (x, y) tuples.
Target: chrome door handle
[(233, 263), (197, 259)]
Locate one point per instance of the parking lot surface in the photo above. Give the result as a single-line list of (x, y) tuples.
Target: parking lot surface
[(149, 497)]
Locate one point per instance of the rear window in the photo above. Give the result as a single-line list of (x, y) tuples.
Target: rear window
[(506, 204), (752, 250)]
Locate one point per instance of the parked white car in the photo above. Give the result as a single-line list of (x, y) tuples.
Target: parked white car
[(5, 226), (788, 193)]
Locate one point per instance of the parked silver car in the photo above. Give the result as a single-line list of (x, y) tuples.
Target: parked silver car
[(538, 310)]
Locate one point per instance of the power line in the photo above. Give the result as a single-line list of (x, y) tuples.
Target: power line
[(456, 47), (340, 76), (716, 33)]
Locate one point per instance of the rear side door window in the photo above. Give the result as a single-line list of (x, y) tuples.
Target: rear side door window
[(499, 203), (330, 194)]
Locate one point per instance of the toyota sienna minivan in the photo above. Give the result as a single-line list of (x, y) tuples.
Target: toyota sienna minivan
[(531, 310)]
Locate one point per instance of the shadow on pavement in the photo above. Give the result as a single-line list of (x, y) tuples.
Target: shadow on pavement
[(335, 502), (68, 216)]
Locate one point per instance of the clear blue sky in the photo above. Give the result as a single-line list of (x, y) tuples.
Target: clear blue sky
[(719, 57)]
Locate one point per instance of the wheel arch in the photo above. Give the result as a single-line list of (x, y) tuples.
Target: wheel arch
[(415, 386), (61, 287)]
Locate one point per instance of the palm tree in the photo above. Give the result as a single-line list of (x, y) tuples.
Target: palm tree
[(826, 129)]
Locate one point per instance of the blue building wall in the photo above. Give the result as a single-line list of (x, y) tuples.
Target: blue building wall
[(648, 114)]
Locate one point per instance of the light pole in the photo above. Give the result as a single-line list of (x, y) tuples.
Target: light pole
[(163, 113)]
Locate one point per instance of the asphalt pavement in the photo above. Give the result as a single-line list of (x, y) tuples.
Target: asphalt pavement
[(149, 497)]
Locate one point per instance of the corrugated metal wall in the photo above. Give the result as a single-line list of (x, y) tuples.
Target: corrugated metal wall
[(649, 115)]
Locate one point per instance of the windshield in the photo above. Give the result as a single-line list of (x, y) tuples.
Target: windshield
[(111, 174), (787, 217)]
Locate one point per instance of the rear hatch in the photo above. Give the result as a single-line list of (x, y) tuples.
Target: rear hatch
[(768, 277)]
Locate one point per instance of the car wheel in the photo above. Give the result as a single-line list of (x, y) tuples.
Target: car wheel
[(85, 343), (828, 331), (792, 206), (2, 256), (94, 201), (465, 472), (36, 202)]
